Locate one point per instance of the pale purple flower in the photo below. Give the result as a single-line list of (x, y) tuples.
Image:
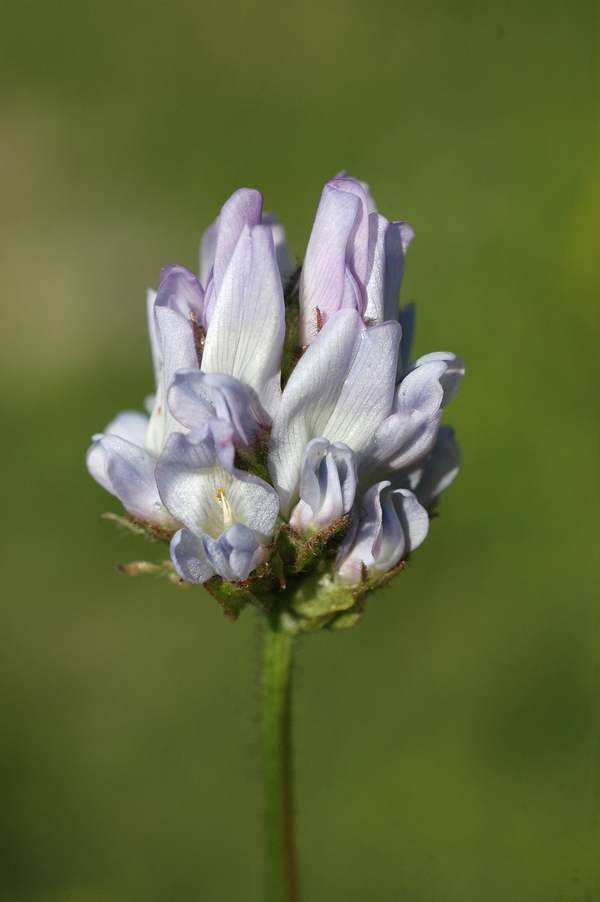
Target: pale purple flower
[(244, 311), (228, 515), (327, 486), (123, 458), (232, 461), (354, 259), (386, 525), (341, 389)]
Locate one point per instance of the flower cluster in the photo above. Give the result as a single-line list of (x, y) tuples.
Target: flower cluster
[(292, 452)]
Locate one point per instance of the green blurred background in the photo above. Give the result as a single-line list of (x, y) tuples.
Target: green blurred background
[(446, 749)]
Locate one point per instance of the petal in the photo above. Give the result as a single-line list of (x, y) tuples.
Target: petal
[(127, 471), (95, 460), (386, 525), (421, 388), (371, 205), (341, 389), (178, 352), (375, 285), (154, 346), (413, 517), (410, 432), (450, 377), (195, 397), (130, 425), (242, 210), (393, 541), (323, 281), (209, 446), (245, 338), (282, 253), (232, 554), (254, 503), (208, 244), (190, 399), (440, 468), (327, 485), (206, 497), (357, 251), (363, 543), (189, 557), (180, 290), (397, 238), (331, 501)]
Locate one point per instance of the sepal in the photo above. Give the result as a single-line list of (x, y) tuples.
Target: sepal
[(145, 568), (231, 597), (137, 527)]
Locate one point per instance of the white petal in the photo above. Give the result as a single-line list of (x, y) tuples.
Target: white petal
[(189, 557), (245, 337), (178, 352), (340, 390), (127, 471), (452, 370), (284, 260), (130, 425), (207, 498), (154, 345), (207, 250), (375, 287), (413, 517)]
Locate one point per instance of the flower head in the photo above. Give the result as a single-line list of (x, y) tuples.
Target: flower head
[(293, 451)]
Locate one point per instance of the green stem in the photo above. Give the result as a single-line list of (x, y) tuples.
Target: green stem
[(277, 764)]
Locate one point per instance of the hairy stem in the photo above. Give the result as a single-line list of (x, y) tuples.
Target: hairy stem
[(277, 753)]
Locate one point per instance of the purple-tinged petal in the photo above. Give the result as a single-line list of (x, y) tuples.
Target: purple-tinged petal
[(245, 338), (327, 485), (209, 446), (95, 460), (206, 496), (399, 441), (190, 399), (371, 205), (232, 403), (375, 284), (208, 244), (178, 352), (196, 397), (189, 558), (233, 554), (450, 378), (386, 525), (242, 211), (397, 238), (127, 471), (325, 281), (181, 291), (254, 503), (413, 518), (375, 539), (282, 252), (439, 469), (409, 433), (387, 246), (152, 333), (421, 388), (130, 425), (341, 389), (357, 251)]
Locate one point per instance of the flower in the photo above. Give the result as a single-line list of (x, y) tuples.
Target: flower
[(293, 452)]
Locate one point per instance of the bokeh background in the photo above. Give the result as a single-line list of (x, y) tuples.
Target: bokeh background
[(446, 749)]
